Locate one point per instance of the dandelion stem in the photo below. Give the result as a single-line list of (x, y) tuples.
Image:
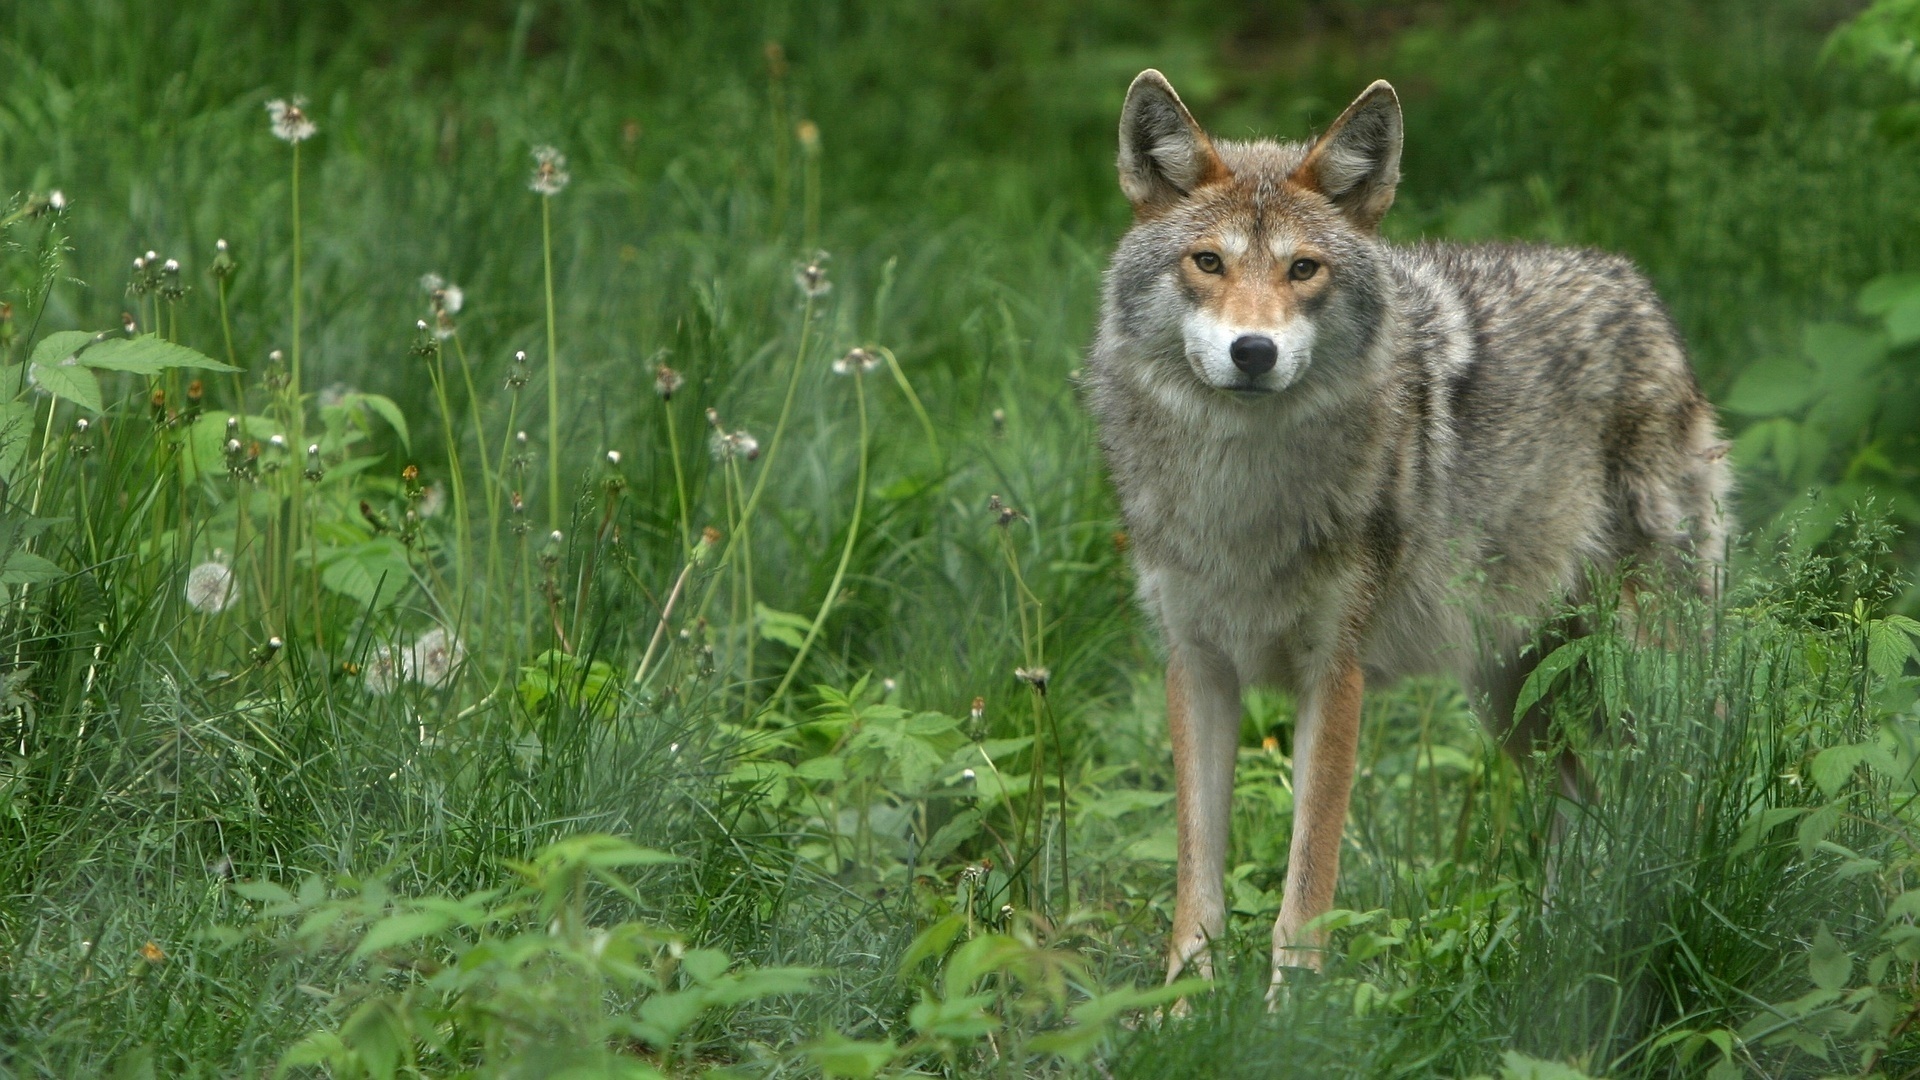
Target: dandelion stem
[(846, 550), (226, 331), (553, 371), (660, 629), (436, 370), (679, 484)]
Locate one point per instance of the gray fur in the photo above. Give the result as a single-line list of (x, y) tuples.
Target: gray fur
[(1477, 427)]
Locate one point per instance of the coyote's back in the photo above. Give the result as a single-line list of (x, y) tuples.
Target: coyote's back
[(1338, 456)]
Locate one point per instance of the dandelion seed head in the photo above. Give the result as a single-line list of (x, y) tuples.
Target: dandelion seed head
[(290, 121), (434, 657), (811, 277), (433, 499), (1036, 677), (210, 588), (57, 199), (550, 176), (967, 775), (153, 257), (613, 457), (171, 266), (382, 675), (220, 246), (278, 442), (860, 360), (667, 382)]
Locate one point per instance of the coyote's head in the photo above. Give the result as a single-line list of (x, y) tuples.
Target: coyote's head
[(1257, 263)]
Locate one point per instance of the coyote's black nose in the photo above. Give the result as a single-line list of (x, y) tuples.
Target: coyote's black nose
[(1254, 354)]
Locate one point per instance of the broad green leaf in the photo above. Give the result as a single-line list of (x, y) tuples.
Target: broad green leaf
[(16, 431), (705, 965), (756, 983), (955, 832), (931, 942), (1773, 386), (147, 355), (956, 1018), (1834, 766), (670, 1013), (1842, 351), (1814, 827), (265, 892), (1115, 804), (825, 767), (1092, 1017), (1761, 823), (1905, 906), (782, 626), (1890, 642), (371, 573), (1515, 1065), (1829, 964), (388, 411), (1551, 667), (69, 381), (401, 929), (1888, 291), (856, 1059), (318, 1048), (60, 345), (26, 568)]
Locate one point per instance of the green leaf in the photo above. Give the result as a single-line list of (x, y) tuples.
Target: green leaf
[(1890, 642), (931, 942), (955, 832), (402, 929), (1905, 906), (319, 1048), (782, 626), (1515, 1065), (388, 411), (26, 568), (59, 346), (69, 381), (264, 892), (1887, 292), (670, 1013), (371, 573), (1551, 667), (16, 432), (1762, 822), (1829, 964), (856, 1059), (1843, 352), (705, 965), (1834, 766), (1773, 386), (147, 355)]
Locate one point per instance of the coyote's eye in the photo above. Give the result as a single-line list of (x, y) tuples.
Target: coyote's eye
[(1209, 263), (1302, 269)]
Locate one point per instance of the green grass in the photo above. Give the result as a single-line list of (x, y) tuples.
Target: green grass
[(162, 767)]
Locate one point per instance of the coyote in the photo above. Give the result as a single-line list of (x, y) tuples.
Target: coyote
[(1341, 459)]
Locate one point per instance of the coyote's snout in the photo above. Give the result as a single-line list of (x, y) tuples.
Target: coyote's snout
[(1342, 459)]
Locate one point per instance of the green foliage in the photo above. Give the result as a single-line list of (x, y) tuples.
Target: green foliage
[(929, 864)]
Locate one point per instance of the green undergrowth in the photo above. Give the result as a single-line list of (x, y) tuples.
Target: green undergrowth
[(590, 561)]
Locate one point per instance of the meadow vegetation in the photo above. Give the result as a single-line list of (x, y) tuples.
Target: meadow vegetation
[(559, 539)]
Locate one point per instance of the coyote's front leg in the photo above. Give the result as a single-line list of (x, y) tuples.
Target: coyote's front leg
[(1324, 743), (1203, 715)]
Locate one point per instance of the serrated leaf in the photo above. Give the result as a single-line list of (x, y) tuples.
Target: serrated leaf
[(69, 381), (147, 355), (705, 965), (1834, 766), (58, 346), (1905, 906), (1829, 964), (26, 568), (670, 1013), (1890, 642), (373, 573)]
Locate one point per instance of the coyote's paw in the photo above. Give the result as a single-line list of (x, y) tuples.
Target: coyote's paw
[(1193, 950), (1291, 964)]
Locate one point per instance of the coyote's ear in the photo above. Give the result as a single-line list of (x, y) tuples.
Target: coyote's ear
[(1356, 163), (1164, 155)]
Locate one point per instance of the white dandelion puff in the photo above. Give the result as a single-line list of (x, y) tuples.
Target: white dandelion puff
[(433, 499), (434, 657), (290, 120), (382, 675), (811, 277), (550, 174), (210, 588)]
